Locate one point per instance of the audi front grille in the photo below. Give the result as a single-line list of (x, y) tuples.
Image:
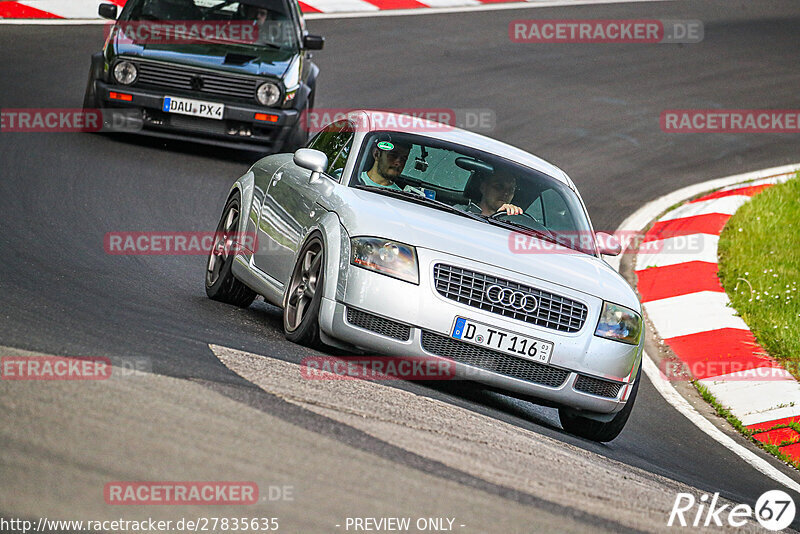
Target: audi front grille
[(483, 291)]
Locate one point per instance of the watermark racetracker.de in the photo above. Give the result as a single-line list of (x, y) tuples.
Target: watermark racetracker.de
[(628, 241), (144, 32), (44, 367), (376, 368), (130, 493), (170, 243), (730, 120), (67, 120), (641, 31), (408, 119), (726, 370)]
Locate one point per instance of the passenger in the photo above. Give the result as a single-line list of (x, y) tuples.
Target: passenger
[(496, 191)]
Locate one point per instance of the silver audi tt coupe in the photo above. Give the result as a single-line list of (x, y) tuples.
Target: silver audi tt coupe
[(403, 237)]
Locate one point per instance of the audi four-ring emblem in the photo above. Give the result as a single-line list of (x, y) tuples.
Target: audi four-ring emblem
[(505, 296)]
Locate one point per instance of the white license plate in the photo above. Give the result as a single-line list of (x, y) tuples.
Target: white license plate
[(494, 338), (195, 108)]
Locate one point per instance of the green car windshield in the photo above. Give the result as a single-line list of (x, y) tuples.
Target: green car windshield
[(476, 182), (272, 23)]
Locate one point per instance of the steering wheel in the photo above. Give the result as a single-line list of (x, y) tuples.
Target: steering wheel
[(539, 226)]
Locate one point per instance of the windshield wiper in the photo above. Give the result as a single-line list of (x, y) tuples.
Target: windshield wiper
[(422, 199), (528, 230)]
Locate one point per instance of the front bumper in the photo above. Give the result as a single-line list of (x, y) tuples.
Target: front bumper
[(238, 129), (585, 372)]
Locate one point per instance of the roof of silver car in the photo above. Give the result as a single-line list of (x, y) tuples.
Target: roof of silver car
[(373, 120)]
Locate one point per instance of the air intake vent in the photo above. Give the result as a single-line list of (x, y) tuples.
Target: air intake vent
[(595, 386), (379, 325), (490, 360)]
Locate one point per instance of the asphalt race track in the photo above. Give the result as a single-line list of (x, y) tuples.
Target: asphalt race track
[(591, 109)]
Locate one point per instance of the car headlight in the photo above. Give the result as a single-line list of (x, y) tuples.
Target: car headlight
[(125, 72), (268, 94), (386, 257), (619, 323)]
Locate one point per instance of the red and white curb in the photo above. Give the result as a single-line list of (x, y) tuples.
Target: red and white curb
[(641, 219), (85, 11), (676, 267)]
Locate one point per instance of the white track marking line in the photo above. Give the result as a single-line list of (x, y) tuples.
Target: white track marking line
[(772, 181), (79, 9), (726, 205), (676, 250), (449, 3), (672, 396), (692, 313), (637, 221), (347, 6)]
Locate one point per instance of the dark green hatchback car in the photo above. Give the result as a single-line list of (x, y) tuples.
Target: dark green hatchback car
[(224, 72)]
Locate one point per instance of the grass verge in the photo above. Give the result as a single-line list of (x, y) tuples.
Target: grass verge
[(759, 267), (724, 412)]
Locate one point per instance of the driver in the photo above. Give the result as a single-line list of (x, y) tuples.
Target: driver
[(497, 191), (390, 159), (259, 16)]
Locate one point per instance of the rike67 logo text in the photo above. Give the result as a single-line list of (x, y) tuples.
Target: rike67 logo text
[(774, 510)]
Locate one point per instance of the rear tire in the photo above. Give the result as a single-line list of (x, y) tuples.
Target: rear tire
[(304, 294), (598, 430), (221, 285)]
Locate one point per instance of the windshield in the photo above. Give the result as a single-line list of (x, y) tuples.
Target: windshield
[(494, 189), (272, 24)]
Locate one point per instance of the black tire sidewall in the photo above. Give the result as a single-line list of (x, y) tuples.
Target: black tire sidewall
[(308, 331), (216, 288), (597, 430)]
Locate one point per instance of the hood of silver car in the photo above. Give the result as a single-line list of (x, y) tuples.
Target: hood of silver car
[(364, 213)]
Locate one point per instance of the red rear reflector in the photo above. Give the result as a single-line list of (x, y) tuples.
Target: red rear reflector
[(266, 117), (120, 96)]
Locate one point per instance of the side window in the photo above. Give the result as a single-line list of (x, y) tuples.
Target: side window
[(337, 167), (335, 141)]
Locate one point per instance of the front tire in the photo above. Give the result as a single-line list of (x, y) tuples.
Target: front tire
[(90, 101), (221, 285), (304, 294), (598, 430)]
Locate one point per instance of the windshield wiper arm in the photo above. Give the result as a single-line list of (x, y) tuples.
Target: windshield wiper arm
[(528, 230), (422, 199)]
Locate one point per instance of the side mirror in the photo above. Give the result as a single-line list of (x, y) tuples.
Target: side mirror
[(313, 42), (107, 11), (608, 244), (313, 160)]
